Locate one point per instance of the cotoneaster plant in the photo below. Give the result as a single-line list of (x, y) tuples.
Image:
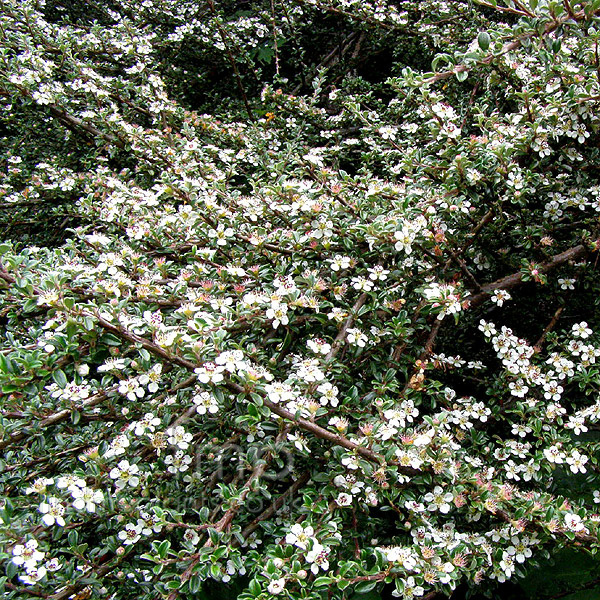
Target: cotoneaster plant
[(336, 340)]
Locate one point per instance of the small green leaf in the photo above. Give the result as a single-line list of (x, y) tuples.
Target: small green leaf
[(163, 548), (60, 378), (484, 40), (254, 588), (365, 586), (194, 584), (11, 569), (462, 75)]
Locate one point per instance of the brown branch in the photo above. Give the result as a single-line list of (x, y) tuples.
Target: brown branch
[(100, 572), (334, 438), (533, 526), (76, 124), (341, 336), (586, 586), (276, 505), (224, 523), (143, 342), (509, 46), (516, 279), (53, 419), (506, 9), (538, 345), (464, 269), (231, 58), (26, 591)]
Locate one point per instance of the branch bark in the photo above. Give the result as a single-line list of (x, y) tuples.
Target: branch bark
[(516, 279)]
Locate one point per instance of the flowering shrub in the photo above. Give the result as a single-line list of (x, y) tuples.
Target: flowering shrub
[(329, 340)]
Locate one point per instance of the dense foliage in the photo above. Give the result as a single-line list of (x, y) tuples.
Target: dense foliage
[(310, 310)]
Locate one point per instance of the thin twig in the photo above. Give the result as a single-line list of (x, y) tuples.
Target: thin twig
[(231, 60), (538, 345)]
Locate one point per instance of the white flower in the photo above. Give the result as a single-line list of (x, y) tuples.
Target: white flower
[(117, 446), (488, 329), (177, 436), (520, 549), (573, 522), (70, 482), (125, 474), (53, 512), (112, 364), (221, 234), (278, 314), (424, 439), (276, 586), (552, 391), (299, 442), (500, 297), (210, 372), (232, 360), (33, 575), (83, 369), (205, 402), (318, 555), (191, 537), (518, 388), (443, 296), (149, 523), (410, 589), (53, 565), (147, 424), (356, 337), (529, 470), (581, 330), (308, 371), (72, 391), (350, 462), (405, 237), (300, 536), (27, 555), (179, 462), (520, 430), (110, 263), (512, 470), (329, 394), (554, 454), (39, 486), (401, 555), (577, 462), (378, 273), (577, 424), (280, 392), (131, 388), (337, 314), (152, 378), (362, 284), (340, 262), (438, 500), (131, 534), (344, 499), (87, 498), (319, 346), (566, 283)]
